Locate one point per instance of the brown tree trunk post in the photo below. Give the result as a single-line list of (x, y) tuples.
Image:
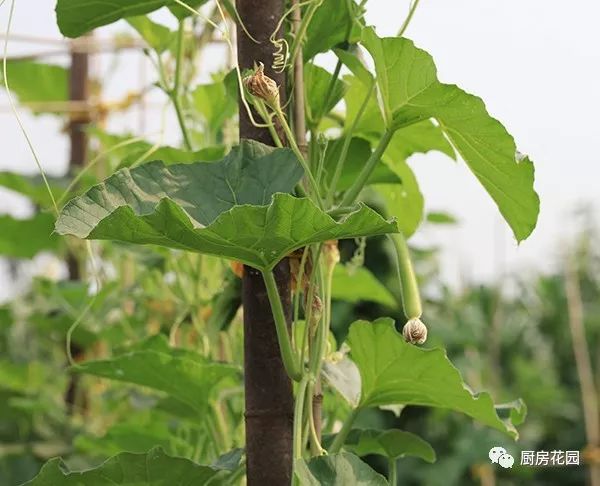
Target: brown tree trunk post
[(269, 397), (78, 92)]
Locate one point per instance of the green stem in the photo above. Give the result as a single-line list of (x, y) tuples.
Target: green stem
[(315, 443), (393, 472), (339, 167), (302, 160), (352, 193), (340, 438), (264, 113), (309, 298), (298, 416), (175, 93), (411, 12), (330, 88), (411, 300), (323, 331), (300, 33), (283, 338)]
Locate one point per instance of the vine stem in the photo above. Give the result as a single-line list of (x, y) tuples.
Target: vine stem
[(352, 193), (299, 34), (409, 285), (175, 92), (288, 355), (294, 146), (393, 472), (409, 17), (298, 106), (298, 416), (340, 438)]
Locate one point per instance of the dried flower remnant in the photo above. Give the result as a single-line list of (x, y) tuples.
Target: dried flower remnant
[(414, 331), (263, 87)]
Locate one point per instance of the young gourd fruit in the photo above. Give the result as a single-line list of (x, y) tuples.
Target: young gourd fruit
[(414, 331)]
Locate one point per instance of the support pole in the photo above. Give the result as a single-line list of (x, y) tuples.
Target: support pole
[(269, 397), (78, 91)]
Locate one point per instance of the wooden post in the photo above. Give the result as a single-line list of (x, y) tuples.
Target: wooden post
[(269, 396), (78, 91)]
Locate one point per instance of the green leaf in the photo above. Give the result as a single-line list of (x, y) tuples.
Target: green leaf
[(350, 58), (332, 24), (214, 208), (24, 238), (77, 17), (371, 122), (35, 82), (359, 284), (317, 81), (358, 153), (410, 92), (395, 372), (418, 138), (249, 174), (157, 36), (404, 201), (214, 104), (153, 468), (259, 236), (391, 443), (342, 469), (189, 381)]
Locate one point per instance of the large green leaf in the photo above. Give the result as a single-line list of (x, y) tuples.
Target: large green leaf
[(35, 82), (396, 372), (410, 92), (391, 443), (359, 284), (24, 238), (153, 468), (259, 236), (77, 17), (333, 23), (249, 174), (342, 469), (192, 382), (217, 208)]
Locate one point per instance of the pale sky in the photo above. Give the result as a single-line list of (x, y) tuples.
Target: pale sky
[(535, 63)]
